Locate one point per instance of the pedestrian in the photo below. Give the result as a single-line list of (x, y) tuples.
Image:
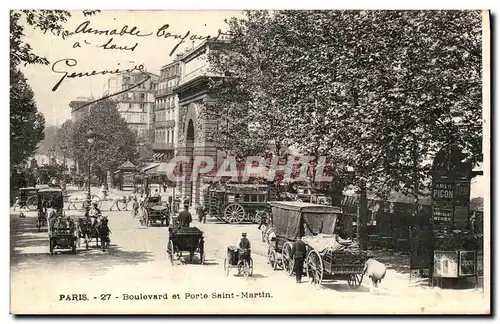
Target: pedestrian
[(185, 217), (17, 203), (135, 206), (263, 220), (244, 248), (202, 215), (299, 250), (95, 203), (187, 201), (115, 203)]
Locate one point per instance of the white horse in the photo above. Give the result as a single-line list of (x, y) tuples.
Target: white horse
[(115, 199), (72, 200)]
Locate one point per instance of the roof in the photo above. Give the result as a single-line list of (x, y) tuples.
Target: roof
[(305, 207), (127, 165), (28, 188)]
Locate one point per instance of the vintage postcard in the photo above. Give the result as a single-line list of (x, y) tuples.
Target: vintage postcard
[(250, 162)]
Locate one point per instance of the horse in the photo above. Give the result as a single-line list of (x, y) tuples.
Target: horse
[(117, 199), (87, 227), (72, 200), (104, 231)]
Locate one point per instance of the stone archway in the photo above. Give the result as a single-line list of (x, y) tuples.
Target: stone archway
[(189, 134)]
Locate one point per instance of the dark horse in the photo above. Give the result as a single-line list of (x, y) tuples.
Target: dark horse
[(88, 230), (103, 232)]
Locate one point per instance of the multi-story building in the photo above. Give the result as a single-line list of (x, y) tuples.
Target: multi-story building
[(135, 105), (166, 112), (80, 107), (193, 93)]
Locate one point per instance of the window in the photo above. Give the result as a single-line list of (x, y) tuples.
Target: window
[(129, 106), (168, 137), (143, 107)]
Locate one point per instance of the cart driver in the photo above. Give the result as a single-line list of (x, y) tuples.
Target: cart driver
[(244, 248), (185, 217)]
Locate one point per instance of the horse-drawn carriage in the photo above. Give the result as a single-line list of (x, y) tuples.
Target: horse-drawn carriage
[(185, 239), (94, 227), (154, 210), (235, 203), (48, 198), (328, 256), (28, 198), (63, 234)]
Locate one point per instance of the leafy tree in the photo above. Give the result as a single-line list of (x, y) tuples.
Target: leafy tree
[(114, 144), (26, 123), (357, 89), (43, 20), (48, 172), (64, 138), (247, 115), (49, 140)]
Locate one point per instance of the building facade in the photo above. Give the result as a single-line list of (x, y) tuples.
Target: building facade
[(194, 93), (166, 111), (80, 107), (135, 105)]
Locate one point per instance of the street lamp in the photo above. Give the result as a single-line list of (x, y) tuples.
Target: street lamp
[(90, 139)]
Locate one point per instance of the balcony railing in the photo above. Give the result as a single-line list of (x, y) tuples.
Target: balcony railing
[(164, 123), (159, 106)]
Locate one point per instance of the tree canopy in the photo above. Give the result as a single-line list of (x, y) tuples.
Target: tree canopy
[(378, 92), (114, 144), (26, 123)]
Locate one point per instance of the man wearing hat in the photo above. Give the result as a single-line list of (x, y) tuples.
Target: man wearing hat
[(185, 217), (244, 248), (299, 250)]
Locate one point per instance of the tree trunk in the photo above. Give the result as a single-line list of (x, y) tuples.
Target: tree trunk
[(363, 218)]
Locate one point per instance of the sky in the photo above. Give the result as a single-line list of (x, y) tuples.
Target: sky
[(152, 51)]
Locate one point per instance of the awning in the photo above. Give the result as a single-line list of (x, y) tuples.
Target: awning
[(158, 155), (150, 166)]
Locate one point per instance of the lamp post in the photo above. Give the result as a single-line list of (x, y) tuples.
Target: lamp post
[(90, 139)]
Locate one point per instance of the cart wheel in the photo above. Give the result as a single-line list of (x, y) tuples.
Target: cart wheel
[(51, 246), (250, 268), (314, 268), (355, 280), (31, 203), (226, 268), (170, 251), (287, 258), (234, 214), (246, 268), (272, 259)]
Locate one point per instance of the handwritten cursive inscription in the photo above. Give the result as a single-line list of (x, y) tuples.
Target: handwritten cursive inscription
[(84, 28), (110, 45), (163, 33), (69, 62)]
